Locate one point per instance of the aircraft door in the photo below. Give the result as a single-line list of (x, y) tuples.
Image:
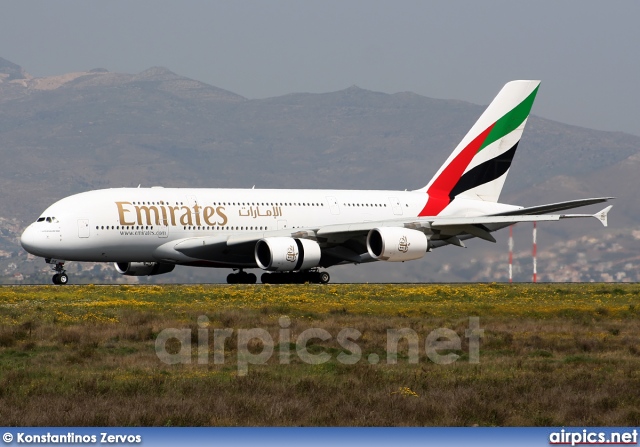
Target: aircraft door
[(193, 202), (83, 228), (333, 205), (396, 206), (163, 229)]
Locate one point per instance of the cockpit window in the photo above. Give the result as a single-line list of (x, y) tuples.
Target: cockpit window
[(47, 219)]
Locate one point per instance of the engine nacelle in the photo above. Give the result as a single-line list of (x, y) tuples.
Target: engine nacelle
[(287, 254), (143, 268), (395, 244)]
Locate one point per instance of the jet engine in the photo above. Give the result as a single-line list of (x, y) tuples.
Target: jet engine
[(395, 244), (143, 268), (287, 254)]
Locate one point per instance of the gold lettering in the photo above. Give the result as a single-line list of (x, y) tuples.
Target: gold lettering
[(121, 211), (186, 217), (147, 210), (220, 211), (207, 213)]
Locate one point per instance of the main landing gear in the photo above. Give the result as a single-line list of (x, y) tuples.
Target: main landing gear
[(310, 276), (242, 277), (60, 278)]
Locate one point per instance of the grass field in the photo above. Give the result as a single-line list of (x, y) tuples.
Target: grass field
[(549, 355)]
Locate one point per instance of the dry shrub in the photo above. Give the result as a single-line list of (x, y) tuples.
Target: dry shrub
[(28, 346), (497, 340), (69, 336), (7, 339), (632, 418), (143, 333), (131, 317)]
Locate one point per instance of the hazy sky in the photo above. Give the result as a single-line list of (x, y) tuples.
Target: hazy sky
[(587, 53)]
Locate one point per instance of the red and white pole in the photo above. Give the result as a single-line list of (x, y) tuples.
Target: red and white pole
[(535, 253), (510, 254)]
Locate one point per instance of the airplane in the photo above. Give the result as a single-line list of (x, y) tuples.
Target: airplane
[(291, 234)]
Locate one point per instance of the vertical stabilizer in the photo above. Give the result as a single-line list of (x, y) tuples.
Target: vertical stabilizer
[(478, 167)]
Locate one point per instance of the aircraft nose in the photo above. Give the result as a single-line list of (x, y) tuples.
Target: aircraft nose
[(29, 239)]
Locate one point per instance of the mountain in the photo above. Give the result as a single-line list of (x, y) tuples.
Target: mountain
[(10, 71), (96, 129)]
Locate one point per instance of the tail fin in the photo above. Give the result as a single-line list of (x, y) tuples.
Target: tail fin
[(478, 167)]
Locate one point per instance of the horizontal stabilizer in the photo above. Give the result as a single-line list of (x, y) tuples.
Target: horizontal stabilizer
[(600, 215)]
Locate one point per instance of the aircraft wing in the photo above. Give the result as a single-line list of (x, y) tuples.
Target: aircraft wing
[(449, 230), (555, 207), (347, 242)]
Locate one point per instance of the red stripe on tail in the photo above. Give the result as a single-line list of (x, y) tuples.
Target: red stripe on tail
[(441, 188)]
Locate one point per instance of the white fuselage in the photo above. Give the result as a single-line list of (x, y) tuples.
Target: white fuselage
[(140, 224)]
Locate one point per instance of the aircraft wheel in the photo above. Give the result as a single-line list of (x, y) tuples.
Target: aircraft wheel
[(63, 279), (56, 279), (251, 278), (232, 278), (324, 277), (265, 278)]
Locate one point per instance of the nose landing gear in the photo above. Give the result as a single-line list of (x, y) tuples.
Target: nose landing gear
[(60, 277)]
